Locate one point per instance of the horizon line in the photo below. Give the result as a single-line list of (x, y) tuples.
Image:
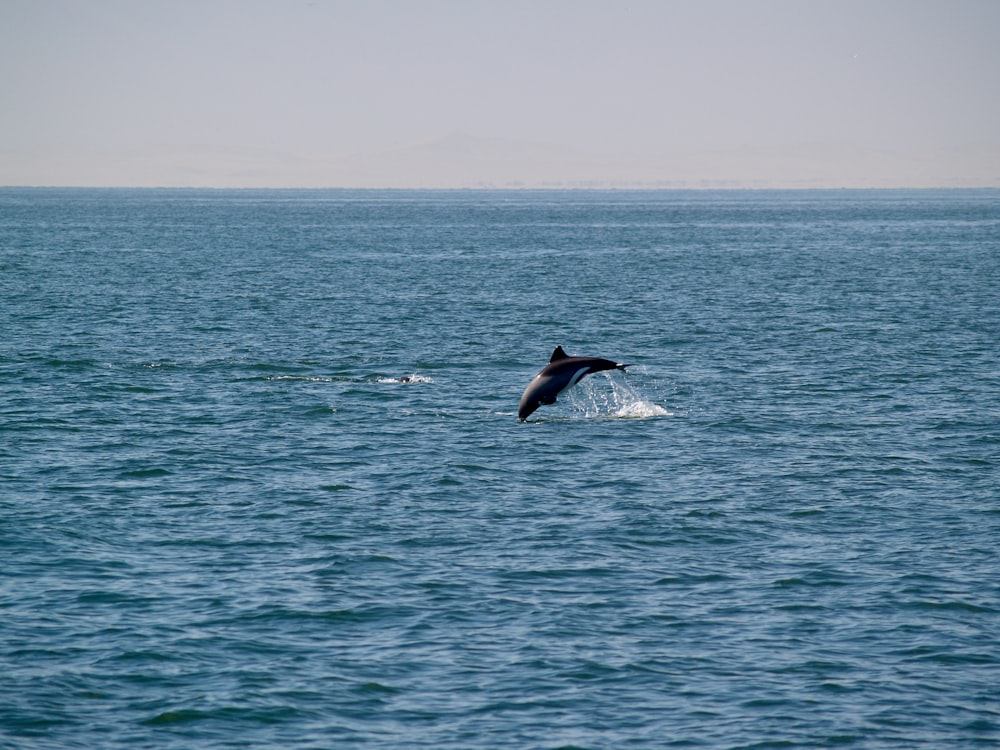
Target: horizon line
[(522, 188)]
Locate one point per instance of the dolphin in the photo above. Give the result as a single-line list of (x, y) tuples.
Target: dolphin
[(562, 372)]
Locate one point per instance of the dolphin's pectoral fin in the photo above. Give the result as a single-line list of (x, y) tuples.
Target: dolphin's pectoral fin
[(547, 400)]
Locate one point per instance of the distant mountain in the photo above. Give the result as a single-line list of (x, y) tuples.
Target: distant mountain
[(460, 160)]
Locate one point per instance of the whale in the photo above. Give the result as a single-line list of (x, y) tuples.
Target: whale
[(562, 372)]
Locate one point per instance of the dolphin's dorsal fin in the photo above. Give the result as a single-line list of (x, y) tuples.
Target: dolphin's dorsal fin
[(558, 354)]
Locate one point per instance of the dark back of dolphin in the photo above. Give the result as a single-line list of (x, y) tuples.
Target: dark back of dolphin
[(562, 372)]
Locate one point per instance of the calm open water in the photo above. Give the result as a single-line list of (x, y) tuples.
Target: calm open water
[(227, 519)]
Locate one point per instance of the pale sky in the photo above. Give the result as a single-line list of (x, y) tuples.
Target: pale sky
[(455, 93)]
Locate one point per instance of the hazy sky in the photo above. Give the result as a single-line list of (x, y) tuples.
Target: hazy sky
[(367, 92)]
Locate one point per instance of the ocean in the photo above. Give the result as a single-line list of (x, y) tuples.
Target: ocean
[(262, 482)]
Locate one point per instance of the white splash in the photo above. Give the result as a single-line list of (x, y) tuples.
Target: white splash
[(611, 396), (406, 379), (302, 378)]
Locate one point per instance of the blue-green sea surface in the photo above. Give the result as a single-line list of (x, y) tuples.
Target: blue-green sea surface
[(262, 484)]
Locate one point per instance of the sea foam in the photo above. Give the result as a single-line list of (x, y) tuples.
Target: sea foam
[(611, 396)]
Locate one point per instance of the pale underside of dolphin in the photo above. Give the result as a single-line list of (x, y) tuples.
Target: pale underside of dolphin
[(560, 373)]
